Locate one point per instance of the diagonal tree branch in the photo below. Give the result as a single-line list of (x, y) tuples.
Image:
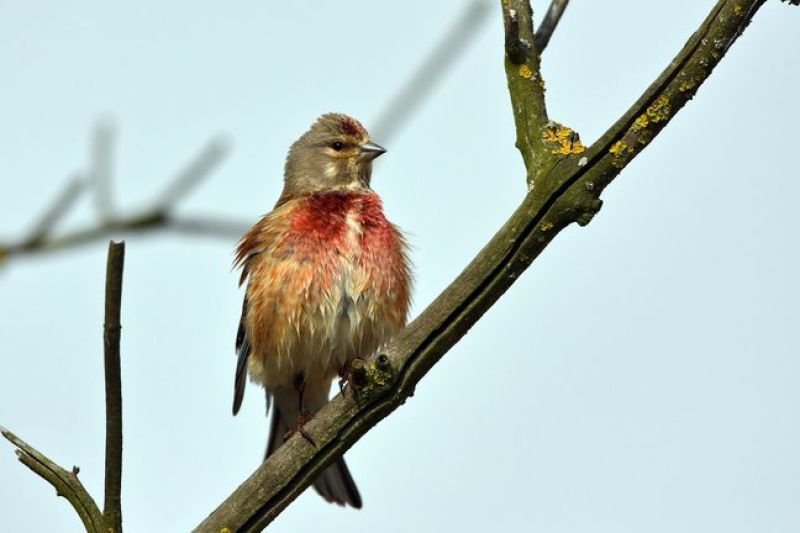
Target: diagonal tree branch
[(431, 71), (198, 169), (60, 206), (567, 192)]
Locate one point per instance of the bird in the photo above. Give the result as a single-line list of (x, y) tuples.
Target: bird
[(328, 280)]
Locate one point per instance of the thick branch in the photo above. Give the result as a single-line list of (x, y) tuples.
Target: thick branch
[(112, 511), (568, 194), (66, 483), (526, 86)]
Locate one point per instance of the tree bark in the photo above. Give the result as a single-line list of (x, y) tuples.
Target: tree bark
[(565, 181)]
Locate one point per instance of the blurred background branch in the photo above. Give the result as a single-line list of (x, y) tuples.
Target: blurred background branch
[(549, 23), (160, 214)]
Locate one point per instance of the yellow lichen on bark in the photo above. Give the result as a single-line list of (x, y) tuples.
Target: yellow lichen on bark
[(659, 110), (641, 123), (620, 151), (563, 140), (686, 85)]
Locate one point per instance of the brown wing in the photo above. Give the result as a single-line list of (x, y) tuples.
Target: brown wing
[(257, 240)]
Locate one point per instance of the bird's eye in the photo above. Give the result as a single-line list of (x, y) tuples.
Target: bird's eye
[(337, 145)]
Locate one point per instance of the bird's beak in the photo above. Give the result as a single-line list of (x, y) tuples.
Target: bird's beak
[(370, 150)]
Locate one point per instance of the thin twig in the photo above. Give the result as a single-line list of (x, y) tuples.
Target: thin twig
[(432, 70), (549, 23), (112, 512), (66, 483), (196, 226), (62, 203), (190, 177), (570, 195)]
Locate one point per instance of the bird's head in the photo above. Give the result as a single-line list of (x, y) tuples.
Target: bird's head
[(336, 153)]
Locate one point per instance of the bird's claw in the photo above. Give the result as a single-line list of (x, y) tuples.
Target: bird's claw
[(347, 379), (302, 419)]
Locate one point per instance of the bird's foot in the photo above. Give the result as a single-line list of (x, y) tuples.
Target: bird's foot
[(302, 419), (348, 377)]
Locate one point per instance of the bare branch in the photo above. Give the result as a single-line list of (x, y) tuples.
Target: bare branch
[(66, 483), (526, 87), (112, 511), (431, 71), (208, 226), (205, 162), (569, 194), (198, 226), (63, 202), (549, 23)]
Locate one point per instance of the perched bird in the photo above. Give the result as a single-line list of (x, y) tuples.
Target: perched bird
[(327, 281)]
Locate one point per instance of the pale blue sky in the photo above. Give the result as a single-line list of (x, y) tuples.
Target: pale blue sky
[(641, 376)]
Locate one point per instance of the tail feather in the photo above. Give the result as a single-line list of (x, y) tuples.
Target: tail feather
[(335, 484)]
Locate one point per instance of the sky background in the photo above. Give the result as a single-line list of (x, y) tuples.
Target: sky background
[(641, 376)]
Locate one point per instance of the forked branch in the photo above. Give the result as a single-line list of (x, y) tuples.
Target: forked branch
[(65, 482), (567, 190)]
